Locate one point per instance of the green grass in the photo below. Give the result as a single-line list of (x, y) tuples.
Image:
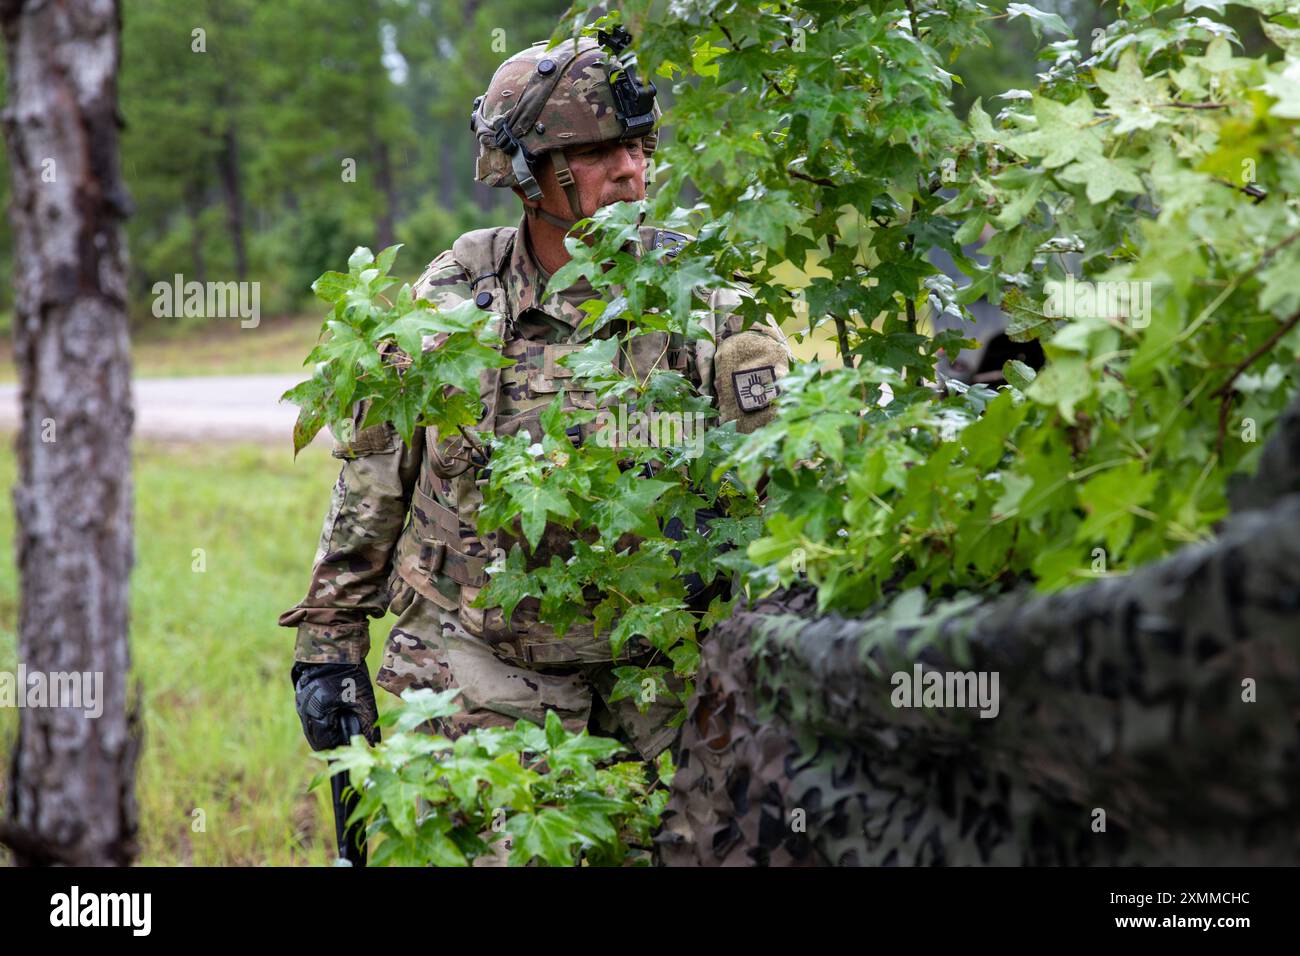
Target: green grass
[(275, 345), (221, 734)]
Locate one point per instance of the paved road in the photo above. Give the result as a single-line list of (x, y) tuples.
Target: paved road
[(221, 408)]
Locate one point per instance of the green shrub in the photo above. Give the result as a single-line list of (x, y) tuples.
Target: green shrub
[(427, 801)]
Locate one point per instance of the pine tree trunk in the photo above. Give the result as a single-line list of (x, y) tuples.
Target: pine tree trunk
[(384, 222), (194, 208), (228, 169), (71, 798)]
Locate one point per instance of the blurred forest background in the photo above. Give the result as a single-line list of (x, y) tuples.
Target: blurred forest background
[(235, 156)]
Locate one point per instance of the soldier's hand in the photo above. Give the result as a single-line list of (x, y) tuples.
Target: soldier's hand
[(323, 693)]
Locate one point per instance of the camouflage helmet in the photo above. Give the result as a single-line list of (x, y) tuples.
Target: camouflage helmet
[(542, 100)]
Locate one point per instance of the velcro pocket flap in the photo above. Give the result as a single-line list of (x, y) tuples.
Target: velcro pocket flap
[(375, 440)]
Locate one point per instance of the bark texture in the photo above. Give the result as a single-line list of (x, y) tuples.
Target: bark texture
[(71, 798)]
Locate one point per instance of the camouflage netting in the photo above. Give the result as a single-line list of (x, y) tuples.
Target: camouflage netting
[(1124, 695)]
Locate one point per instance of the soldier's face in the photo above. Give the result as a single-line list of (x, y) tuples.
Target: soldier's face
[(604, 173)]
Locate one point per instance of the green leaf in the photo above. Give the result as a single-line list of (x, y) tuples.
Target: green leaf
[(332, 286), (536, 502), (554, 730), (685, 657), (400, 405), (1110, 499), (1103, 177), (1039, 20), (424, 705), (549, 835), (981, 125), (409, 329), (1285, 86), (361, 258), (683, 278), (1019, 374), (574, 751), (598, 359), (1064, 383), (1063, 133), (662, 623), (508, 586), (1131, 96), (988, 437), (384, 261), (629, 508)]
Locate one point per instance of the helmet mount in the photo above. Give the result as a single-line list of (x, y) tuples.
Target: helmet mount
[(581, 91), (635, 100)]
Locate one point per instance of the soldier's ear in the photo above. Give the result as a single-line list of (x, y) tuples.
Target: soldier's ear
[(530, 203)]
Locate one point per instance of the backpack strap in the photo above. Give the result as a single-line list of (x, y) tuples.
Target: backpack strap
[(484, 254)]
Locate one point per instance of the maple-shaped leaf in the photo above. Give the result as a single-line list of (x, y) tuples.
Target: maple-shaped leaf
[(1102, 176), (548, 835), (1131, 96), (662, 623), (1063, 133), (410, 329), (508, 586), (1039, 20), (629, 508), (535, 502)]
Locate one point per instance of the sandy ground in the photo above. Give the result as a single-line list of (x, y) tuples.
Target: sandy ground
[(230, 408)]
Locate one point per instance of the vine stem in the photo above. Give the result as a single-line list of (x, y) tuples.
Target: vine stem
[(911, 19), (841, 329), (735, 46), (1060, 483), (1224, 391), (1227, 291), (1249, 360)]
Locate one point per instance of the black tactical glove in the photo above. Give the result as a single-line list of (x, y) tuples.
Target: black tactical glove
[(324, 693)]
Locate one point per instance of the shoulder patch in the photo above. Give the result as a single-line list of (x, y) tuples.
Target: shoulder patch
[(755, 387)]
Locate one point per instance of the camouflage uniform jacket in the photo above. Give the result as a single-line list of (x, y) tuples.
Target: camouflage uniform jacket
[(371, 556)]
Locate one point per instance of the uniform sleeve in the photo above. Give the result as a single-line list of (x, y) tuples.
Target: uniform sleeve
[(349, 580), (368, 509), (742, 367)]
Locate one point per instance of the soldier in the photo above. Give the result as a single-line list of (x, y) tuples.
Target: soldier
[(569, 130)]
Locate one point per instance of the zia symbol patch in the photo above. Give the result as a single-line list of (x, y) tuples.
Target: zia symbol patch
[(755, 387)]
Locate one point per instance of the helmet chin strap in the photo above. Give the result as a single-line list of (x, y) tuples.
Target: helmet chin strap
[(536, 212), (564, 176)]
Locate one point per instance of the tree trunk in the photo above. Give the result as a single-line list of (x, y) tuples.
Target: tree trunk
[(384, 222), (194, 208), (228, 169), (71, 798)]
